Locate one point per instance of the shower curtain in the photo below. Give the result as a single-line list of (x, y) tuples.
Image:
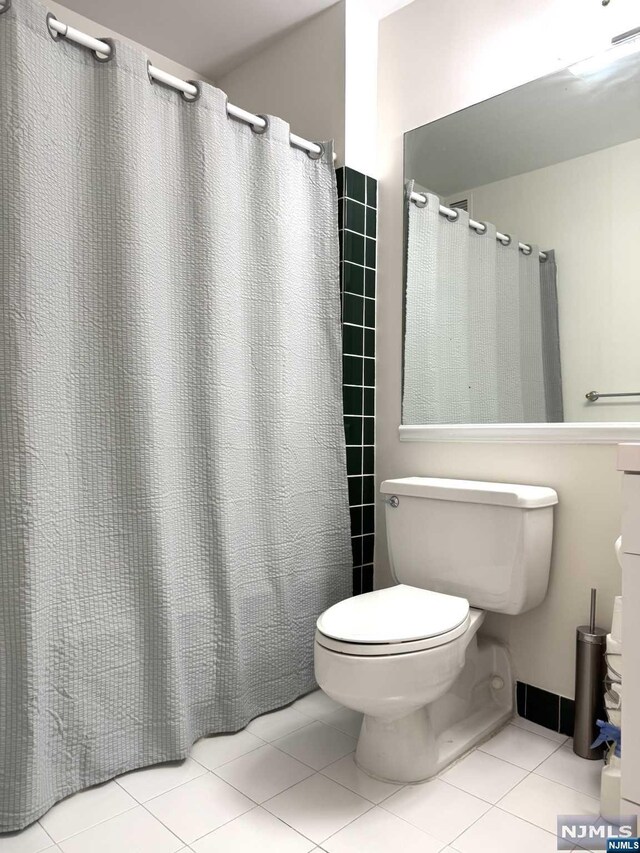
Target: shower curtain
[(481, 326), (173, 507)]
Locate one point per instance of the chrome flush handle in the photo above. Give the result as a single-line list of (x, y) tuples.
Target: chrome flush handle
[(393, 501)]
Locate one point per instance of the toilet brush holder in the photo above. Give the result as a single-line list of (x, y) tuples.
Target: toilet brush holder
[(589, 687)]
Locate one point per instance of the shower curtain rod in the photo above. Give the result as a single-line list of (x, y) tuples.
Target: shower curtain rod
[(451, 213), (103, 50)]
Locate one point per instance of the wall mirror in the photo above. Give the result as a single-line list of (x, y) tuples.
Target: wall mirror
[(522, 279)]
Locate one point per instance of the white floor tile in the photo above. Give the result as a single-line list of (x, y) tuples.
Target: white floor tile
[(379, 831), (263, 773), (348, 774), (521, 723), (33, 839), (257, 830), (499, 832), (153, 781), (540, 801), (316, 705), (569, 769), (277, 724), (484, 776), (317, 745), (520, 747), (86, 809), (437, 808), (317, 807), (216, 750), (346, 720), (199, 807), (135, 831)]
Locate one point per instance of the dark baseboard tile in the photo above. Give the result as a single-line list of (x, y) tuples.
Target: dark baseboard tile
[(547, 709)]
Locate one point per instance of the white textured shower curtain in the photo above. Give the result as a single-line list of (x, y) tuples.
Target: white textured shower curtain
[(481, 326), (173, 514)]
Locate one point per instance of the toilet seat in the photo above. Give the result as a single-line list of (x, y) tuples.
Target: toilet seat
[(392, 621)]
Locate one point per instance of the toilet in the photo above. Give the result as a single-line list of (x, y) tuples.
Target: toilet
[(409, 657)]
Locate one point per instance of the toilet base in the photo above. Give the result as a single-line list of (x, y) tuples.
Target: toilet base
[(417, 746)]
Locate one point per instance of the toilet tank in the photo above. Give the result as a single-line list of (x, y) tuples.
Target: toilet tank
[(487, 542)]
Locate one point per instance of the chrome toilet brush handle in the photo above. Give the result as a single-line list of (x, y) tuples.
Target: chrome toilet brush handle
[(589, 689)]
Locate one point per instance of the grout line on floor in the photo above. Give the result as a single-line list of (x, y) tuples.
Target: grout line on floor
[(181, 840)]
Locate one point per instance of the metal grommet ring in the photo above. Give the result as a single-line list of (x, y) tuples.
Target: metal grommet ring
[(480, 228), (453, 216), (50, 17), (190, 99), (526, 250), (102, 57), (312, 155), (422, 203), (260, 130), (5, 6), (505, 239)]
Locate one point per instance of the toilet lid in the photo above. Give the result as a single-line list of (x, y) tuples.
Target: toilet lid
[(396, 615)]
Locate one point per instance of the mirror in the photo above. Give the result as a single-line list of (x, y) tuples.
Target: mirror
[(522, 286)]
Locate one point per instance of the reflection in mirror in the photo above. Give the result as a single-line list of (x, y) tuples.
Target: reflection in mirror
[(522, 267)]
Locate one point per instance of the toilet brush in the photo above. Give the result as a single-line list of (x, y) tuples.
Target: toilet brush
[(589, 687)]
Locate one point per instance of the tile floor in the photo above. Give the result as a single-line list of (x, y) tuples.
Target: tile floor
[(288, 784)]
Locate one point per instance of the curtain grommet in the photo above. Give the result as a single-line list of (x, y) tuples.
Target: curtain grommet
[(260, 130), (526, 250), (422, 203), (480, 229), (53, 33), (453, 216), (151, 80), (105, 57), (191, 99), (5, 6), (505, 239), (312, 155)]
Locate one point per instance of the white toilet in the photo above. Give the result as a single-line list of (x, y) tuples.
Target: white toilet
[(409, 657)]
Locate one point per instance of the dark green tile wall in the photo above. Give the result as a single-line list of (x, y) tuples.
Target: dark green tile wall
[(357, 216)]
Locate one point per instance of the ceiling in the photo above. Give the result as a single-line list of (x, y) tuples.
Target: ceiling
[(208, 36)]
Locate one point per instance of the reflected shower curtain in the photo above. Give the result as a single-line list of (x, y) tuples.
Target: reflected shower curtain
[(173, 513), (481, 326)]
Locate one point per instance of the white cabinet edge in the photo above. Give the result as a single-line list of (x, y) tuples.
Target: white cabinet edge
[(629, 458), (572, 433)]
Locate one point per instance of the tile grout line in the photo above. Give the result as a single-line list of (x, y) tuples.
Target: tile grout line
[(97, 823), (546, 737)]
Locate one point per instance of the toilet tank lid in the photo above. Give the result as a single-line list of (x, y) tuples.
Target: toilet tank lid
[(471, 491)]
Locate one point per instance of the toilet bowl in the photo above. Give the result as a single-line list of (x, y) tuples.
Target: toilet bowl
[(392, 681), (409, 657)]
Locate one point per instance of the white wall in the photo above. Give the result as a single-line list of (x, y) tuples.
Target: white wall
[(435, 58), (322, 77), (361, 87), (587, 210), (300, 77)]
